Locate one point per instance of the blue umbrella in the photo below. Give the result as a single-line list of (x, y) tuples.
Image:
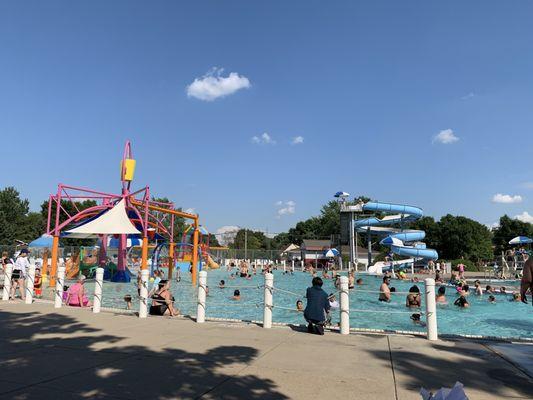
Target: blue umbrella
[(521, 240), (42, 241), (342, 194), (332, 253)]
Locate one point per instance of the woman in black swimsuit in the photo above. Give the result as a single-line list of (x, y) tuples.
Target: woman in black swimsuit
[(162, 301), (413, 299)]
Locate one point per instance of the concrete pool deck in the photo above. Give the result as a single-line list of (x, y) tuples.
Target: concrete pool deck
[(74, 354)]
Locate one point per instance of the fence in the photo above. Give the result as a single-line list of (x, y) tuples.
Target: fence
[(202, 304)]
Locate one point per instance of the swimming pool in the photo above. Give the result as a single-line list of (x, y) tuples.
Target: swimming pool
[(502, 319)]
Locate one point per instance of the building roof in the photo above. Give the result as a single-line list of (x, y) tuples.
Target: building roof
[(312, 244)]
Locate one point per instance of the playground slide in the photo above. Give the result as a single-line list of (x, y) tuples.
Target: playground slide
[(211, 263), (395, 238)]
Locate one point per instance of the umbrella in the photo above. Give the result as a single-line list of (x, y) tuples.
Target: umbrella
[(42, 241), (521, 240), (332, 253), (391, 241), (130, 242), (342, 194)]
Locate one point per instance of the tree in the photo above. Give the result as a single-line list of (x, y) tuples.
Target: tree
[(253, 239), (509, 228), (179, 222), (431, 228), (72, 209), (16, 222), (461, 237)]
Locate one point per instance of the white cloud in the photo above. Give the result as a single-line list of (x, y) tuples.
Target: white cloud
[(285, 208), (524, 217), (226, 234), (492, 226), (297, 140), (468, 96), (265, 138), (213, 85), (445, 136), (506, 198)]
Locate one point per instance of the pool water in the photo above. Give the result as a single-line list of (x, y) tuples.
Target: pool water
[(502, 319)]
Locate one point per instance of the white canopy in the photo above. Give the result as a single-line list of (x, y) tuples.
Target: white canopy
[(113, 222)]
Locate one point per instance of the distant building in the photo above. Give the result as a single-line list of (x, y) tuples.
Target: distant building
[(313, 251)]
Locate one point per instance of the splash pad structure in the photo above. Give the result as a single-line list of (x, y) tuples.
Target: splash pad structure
[(126, 216)]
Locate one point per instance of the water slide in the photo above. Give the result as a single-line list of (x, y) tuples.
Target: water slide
[(396, 238), (211, 263)]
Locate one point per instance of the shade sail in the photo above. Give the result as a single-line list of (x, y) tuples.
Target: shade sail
[(113, 222)]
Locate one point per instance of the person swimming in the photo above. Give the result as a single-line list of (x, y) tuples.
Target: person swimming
[(236, 295), (416, 319), (413, 299), (128, 299), (478, 290), (491, 299), (461, 302), (441, 295), (222, 284), (299, 306), (384, 290)]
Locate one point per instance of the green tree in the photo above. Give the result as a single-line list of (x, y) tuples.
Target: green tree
[(179, 222), (461, 237), (16, 222), (72, 209), (431, 228), (509, 228), (254, 240)]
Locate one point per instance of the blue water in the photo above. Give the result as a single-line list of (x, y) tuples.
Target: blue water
[(503, 319)]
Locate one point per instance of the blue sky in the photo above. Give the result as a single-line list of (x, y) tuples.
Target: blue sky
[(367, 85)]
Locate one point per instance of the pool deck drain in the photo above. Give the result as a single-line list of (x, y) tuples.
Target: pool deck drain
[(74, 354)]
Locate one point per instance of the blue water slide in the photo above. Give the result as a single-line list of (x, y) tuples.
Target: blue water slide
[(394, 237)]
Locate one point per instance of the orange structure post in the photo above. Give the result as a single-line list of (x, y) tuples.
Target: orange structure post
[(195, 253), (179, 214), (170, 260), (45, 262), (144, 254), (55, 249)]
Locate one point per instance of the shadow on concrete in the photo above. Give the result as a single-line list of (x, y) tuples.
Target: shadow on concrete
[(462, 361), (35, 364)]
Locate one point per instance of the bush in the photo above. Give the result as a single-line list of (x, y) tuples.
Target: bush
[(469, 265)]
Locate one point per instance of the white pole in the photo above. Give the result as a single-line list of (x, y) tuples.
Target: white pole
[(202, 294), (7, 281), (60, 281), (303, 264), (431, 309), (344, 306), (267, 314), (98, 288), (292, 266), (284, 266), (29, 283), (143, 301)]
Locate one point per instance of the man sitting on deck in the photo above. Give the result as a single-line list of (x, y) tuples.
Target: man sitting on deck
[(317, 307)]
